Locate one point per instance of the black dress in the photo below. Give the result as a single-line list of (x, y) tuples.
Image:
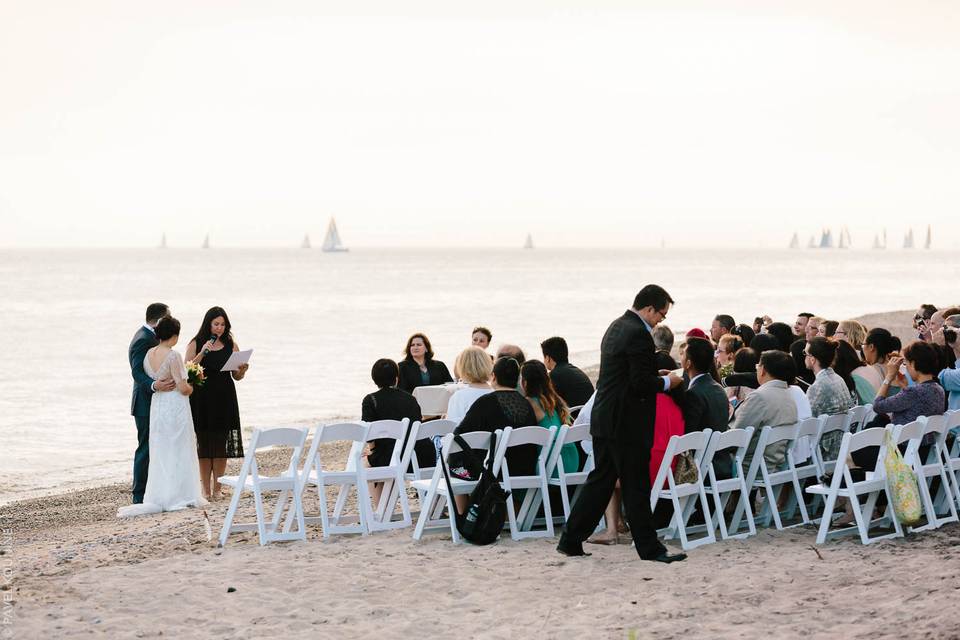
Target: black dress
[(504, 409), (390, 403), (411, 377), (216, 415)]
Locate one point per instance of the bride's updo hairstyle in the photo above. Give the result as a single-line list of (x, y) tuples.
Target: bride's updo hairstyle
[(167, 328)]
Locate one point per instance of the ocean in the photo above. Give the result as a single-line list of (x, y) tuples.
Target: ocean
[(317, 322)]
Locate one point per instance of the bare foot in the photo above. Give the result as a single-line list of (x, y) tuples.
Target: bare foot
[(604, 539)]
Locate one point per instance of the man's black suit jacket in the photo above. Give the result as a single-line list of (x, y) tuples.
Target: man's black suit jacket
[(143, 341), (625, 406)]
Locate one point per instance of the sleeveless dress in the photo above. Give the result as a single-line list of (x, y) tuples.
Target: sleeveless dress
[(569, 455), (173, 476), (216, 414)]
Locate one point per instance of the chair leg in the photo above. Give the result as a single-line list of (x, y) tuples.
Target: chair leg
[(452, 513), (231, 513), (261, 524), (322, 500), (828, 507)]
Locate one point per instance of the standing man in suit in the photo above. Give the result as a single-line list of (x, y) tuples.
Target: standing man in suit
[(143, 387), (621, 424)]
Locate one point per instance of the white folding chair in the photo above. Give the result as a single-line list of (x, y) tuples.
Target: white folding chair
[(289, 484), (565, 480), (683, 496), (933, 467), (721, 490), (434, 491), (345, 479), (521, 523), (771, 481), (803, 462), (843, 486), (425, 431), (951, 461), (391, 475), (857, 417), (832, 428)]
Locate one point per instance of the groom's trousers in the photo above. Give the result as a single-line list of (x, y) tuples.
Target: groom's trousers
[(141, 459)]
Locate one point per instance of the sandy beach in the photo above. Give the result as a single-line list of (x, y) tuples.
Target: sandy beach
[(71, 569)]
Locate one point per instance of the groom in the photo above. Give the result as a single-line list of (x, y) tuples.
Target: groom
[(143, 387)]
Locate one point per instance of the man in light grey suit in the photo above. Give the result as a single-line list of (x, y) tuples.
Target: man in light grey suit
[(769, 405)]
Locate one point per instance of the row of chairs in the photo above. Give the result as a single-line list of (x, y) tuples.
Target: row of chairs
[(805, 463), (288, 521)]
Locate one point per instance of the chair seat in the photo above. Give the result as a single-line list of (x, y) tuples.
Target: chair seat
[(578, 477), (334, 476), (284, 481), (380, 473), (861, 487), (681, 490), (459, 486)]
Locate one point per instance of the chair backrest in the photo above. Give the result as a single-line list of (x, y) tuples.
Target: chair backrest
[(695, 442), (395, 430), (355, 431), (857, 417), (910, 431), (872, 437), (518, 436), (278, 437), (768, 436), (838, 422), (739, 438), (809, 427), (953, 419), (474, 440), (935, 424), (435, 428), (569, 435)]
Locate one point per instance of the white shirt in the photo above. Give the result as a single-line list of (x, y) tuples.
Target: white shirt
[(462, 400), (800, 399), (584, 418), (695, 378), (150, 329)]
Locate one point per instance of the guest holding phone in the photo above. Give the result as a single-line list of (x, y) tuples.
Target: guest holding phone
[(216, 414)]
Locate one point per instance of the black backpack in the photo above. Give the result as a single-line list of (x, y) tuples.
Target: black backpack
[(487, 510)]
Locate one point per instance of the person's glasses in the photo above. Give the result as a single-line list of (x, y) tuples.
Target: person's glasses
[(663, 314)]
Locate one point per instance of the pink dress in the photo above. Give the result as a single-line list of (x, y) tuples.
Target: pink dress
[(669, 422)]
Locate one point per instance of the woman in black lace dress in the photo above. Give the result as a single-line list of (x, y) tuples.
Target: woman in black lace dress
[(216, 415)]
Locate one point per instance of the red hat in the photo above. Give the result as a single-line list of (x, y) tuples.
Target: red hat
[(697, 333)]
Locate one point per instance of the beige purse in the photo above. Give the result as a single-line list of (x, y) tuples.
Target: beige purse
[(685, 471)]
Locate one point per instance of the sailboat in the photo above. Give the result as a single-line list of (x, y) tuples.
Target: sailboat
[(163, 241), (876, 242), (884, 237), (908, 240), (929, 240), (206, 242), (795, 241), (844, 239), (306, 242), (826, 239), (812, 244), (331, 242), (528, 244)]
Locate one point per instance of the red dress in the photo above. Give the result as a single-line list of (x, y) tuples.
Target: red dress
[(669, 422)]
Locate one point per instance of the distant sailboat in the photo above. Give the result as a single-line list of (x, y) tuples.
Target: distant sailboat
[(908, 240), (528, 244), (826, 239), (331, 242), (795, 241), (884, 237), (876, 242), (206, 242), (306, 242), (844, 239), (163, 241), (929, 240), (812, 244)]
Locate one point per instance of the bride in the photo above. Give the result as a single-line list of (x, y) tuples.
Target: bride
[(173, 478)]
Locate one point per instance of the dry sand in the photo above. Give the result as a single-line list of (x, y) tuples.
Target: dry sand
[(70, 568)]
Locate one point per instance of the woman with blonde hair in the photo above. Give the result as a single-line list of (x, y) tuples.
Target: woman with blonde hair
[(852, 332), (474, 367), (727, 347)]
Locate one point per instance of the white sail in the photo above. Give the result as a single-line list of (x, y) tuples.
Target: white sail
[(884, 237), (528, 244), (826, 239), (843, 241), (908, 240), (206, 242), (795, 241), (306, 242), (331, 242), (163, 241), (929, 240), (812, 244), (876, 242)]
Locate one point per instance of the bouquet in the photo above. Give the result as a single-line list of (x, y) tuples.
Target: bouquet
[(195, 374)]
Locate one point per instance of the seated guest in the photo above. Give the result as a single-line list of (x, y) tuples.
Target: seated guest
[(922, 318), (771, 404), (828, 395), (800, 326), (511, 351), (852, 332), (722, 324), (813, 327), (474, 367), (925, 398), (418, 367), (663, 343), (828, 328), (481, 337), (877, 347), (705, 405), (549, 408), (845, 363), (727, 347), (950, 378), (505, 407), (783, 333), (936, 322), (571, 383), (390, 403)]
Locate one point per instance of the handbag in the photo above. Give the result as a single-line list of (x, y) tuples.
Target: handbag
[(685, 471), (904, 493)]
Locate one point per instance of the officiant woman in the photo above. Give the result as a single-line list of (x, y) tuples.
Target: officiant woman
[(216, 415)]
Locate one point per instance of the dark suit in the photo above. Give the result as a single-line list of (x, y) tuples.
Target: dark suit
[(705, 406), (143, 341), (621, 423), (571, 384), (410, 374)]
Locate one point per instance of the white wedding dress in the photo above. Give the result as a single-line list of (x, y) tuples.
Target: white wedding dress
[(173, 477)]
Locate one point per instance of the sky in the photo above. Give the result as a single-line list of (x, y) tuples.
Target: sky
[(597, 123)]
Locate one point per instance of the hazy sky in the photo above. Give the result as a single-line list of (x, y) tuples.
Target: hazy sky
[(418, 123)]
